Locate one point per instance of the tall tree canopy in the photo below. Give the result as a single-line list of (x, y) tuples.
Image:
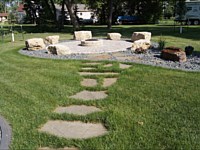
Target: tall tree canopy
[(44, 11)]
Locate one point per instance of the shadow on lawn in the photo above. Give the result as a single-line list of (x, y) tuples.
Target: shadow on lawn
[(189, 32)]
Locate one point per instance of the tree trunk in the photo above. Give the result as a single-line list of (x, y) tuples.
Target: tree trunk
[(110, 14), (62, 19), (54, 12), (52, 9), (73, 17)]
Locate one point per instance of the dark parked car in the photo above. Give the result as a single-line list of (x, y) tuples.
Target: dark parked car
[(129, 20)]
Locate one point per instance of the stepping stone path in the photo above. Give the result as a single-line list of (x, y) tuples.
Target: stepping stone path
[(78, 129), (89, 82), (77, 110)]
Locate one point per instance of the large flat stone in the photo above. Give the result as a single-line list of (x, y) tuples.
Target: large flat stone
[(92, 63), (174, 54), (90, 95), (77, 109), (141, 35), (65, 148), (114, 36), (124, 66), (82, 35), (87, 68), (35, 44), (108, 65), (74, 130), (89, 82), (109, 81), (52, 39), (97, 73), (98, 57)]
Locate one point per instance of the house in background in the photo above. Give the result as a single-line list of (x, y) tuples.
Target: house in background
[(3, 17), (83, 13)]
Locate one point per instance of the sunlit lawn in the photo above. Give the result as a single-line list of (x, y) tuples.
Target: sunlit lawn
[(166, 101)]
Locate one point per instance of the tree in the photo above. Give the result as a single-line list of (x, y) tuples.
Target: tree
[(2, 7)]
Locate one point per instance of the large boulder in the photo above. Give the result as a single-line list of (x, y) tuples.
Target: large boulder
[(35, 44), (114, 36), (141, 35), (82, 35), (52, 39), (141, 44), (58, 50), (174, 54)]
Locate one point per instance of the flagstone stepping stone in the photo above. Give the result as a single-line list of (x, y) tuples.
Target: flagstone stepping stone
[(124, 66), (88, 68), (97, 73), (65, 148), (109, 81), (77, 110), (90, 95), (89, 82), (92, 63), (95, 57), (108, 65), (74, 129)]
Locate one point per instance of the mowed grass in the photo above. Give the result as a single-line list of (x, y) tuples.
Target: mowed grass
[(148, 108)]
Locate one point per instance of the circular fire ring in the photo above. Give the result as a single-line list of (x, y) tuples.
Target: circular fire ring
[(5, 134), (92, 42)]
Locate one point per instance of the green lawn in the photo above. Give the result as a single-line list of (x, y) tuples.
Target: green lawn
[(166, 101)]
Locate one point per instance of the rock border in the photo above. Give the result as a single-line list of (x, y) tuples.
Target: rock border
[(6, 133)]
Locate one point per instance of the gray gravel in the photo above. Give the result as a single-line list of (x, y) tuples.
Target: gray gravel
[(152, 57), (5, 134), (0, 134)]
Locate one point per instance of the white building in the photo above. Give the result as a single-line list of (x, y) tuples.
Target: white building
[(82, 12)]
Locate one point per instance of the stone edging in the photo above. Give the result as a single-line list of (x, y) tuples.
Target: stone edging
[(5, 138)]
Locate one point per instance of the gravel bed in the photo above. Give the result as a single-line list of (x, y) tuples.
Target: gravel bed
[(5, 134), (152, 57), (0, 134)]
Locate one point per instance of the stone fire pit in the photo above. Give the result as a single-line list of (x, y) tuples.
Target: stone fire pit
[(92, 42)]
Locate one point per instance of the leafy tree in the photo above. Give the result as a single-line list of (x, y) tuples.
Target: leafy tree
[(180, 9), (2, 7)]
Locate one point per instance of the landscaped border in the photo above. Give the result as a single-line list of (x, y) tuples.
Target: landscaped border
[(5, 138)]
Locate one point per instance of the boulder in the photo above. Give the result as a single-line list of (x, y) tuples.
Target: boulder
[(141, 35), (141, 44), (82, 35), (35, 44), (114, 36), (52, 39), (174, 54), (58, 50)]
